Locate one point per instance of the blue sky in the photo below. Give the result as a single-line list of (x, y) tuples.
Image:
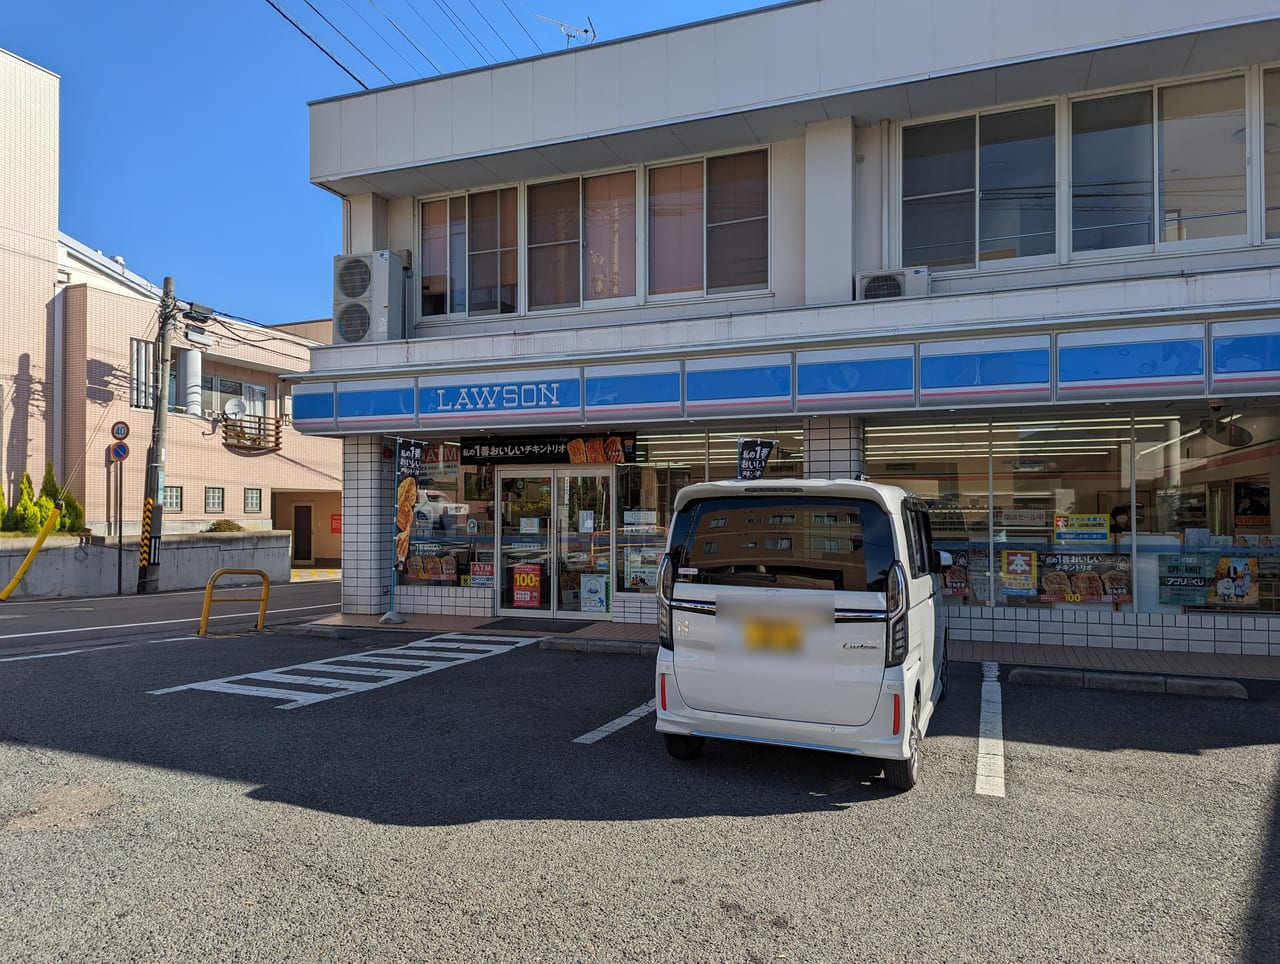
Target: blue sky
[(184, 125)]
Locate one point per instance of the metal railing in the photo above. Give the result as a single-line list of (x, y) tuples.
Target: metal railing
[(210, 599), (262, 432)]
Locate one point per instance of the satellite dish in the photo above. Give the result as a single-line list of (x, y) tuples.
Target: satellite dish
[(235, 408), (1226, 433)]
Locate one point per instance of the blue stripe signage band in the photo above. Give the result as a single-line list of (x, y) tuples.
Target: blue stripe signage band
[(979, 373), (377, 405), (1111, 363), (893, 377), (1246, 360), (1133, 364), (738, 386), (312, 407), (641, 392)]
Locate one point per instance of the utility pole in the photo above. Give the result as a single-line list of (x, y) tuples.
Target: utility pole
[(152, 502)]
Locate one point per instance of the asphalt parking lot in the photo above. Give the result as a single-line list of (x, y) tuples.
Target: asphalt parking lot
[(459, 814)]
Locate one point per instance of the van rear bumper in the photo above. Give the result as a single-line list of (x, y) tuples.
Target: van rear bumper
[(875, 738)]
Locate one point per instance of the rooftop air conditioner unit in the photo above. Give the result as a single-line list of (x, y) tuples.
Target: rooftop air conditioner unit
[(898, 283), (368, 297)]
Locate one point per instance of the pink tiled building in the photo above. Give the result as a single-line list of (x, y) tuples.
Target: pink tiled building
[(78, 357)]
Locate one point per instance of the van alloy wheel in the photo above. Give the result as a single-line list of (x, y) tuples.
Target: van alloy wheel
[(905, 774)]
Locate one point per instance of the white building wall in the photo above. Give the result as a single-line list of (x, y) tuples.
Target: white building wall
[(368, 524), (740, 63), (830, 207)]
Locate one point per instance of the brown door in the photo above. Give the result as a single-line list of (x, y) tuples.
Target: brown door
[(302, 534)]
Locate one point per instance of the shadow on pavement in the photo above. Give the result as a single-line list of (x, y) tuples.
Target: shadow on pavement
[(492, 740)]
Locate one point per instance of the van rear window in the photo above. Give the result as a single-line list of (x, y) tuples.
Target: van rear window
[(784, 542)]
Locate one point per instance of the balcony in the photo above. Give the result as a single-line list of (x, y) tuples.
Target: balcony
[(259, 433)]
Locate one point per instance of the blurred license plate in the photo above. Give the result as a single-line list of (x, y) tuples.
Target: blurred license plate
[(769, 634)]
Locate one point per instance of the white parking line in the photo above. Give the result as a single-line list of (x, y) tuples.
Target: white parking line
[(337, 673), (65, 652), (600, 732), (164, 622), (990, 781)]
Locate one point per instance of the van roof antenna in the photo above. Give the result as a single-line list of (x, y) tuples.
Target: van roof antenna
[(570, 32)]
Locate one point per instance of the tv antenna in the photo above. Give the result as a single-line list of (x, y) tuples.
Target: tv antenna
[(570, 31)]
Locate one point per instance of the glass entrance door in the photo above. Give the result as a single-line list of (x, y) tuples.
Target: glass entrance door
[(554, 541)]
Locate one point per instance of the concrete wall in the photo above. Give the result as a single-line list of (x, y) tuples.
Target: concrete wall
[(69, 567)]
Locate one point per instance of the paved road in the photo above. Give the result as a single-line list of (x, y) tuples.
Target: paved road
[(42, 624), (457, 815)]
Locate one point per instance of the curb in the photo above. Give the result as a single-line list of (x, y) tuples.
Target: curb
[(1134, 682), (616, 647)]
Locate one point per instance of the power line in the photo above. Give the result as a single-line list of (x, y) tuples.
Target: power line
[(448, 46), (318, 44), (491, 27), (374, 30), (464, 28), (521, 25), (406, 37), (351, 43)]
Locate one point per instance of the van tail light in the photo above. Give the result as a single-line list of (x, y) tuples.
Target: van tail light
[(896, 604), (666, 581), (662, 690), (897, 713)]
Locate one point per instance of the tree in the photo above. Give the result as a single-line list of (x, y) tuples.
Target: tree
[(49, 486)]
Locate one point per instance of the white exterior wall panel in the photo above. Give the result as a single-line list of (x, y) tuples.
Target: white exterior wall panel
[(722, 66)]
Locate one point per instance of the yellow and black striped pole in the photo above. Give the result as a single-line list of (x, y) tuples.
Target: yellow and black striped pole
[(144, 539)]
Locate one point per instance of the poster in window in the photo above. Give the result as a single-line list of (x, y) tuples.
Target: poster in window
[(1235, 582), (1253, 505), (1085, 577), (526, 587)]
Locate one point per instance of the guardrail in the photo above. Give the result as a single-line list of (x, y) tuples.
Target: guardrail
[(210, 599)]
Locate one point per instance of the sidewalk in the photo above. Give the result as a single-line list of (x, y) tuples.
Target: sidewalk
[(641, 637)]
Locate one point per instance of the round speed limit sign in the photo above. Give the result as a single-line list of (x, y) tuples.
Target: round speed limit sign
[(120, 431)]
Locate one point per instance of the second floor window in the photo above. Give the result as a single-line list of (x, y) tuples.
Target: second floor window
[(978, 189), (709, 225), (582, 240)]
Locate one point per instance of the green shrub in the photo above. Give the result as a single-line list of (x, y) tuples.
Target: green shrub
[(72, 518), (44, 509), (49, 485), (226, 525), (25, 516)]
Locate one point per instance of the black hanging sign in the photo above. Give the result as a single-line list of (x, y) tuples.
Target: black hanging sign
[(753, 455)]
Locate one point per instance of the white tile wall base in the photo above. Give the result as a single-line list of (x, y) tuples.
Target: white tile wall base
[(635, 607), (1193, 632), (444, 600)]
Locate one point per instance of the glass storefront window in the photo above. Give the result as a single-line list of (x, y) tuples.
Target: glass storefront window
[(1211, 544), (1146, 512), (667, 461)]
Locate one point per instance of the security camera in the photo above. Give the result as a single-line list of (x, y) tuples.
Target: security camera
[(1215, 404)]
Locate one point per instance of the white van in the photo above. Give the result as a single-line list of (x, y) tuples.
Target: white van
[(802, 613)]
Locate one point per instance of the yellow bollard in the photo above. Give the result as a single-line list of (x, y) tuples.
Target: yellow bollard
[(212, 584), (31, 554)]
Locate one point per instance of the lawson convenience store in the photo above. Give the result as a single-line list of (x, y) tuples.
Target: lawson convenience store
[(1096, 484)]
